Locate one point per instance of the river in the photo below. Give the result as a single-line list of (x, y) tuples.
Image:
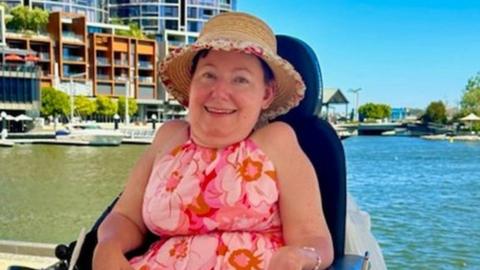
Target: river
[(423, 196)]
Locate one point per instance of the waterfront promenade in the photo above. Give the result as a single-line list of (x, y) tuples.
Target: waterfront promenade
[(35, 255), (133, 134)]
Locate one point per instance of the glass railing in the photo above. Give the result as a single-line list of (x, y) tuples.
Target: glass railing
[(103, 61), (121, 62), (121, 78), (176, 43), (144, 64), (103, 77), (145, 79), (76, 75), (44, 56), (71, 36), (73, 58)]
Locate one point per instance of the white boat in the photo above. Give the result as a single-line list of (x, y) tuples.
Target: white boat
[(90, 134)]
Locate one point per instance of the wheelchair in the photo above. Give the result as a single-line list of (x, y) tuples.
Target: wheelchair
[(318, 140)]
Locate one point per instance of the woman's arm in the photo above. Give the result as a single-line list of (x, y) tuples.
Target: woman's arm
[(123, 229), (300, 202)]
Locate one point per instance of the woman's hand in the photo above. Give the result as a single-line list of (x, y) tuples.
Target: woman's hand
[(107, 256), (293, 258)]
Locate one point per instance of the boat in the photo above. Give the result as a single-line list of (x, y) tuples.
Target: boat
[(89, 134), (344, 131)]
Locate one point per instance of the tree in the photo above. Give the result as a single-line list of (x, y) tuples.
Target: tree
[(470, 102), (37, 20), (133, 31), (375, 111), (54, 102), (436, 113), (25, 19), (84, 106), (106, 106), (132, 106), (19, 18)]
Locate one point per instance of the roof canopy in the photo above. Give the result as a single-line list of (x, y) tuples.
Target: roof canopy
[(470, 117), (334, 96)]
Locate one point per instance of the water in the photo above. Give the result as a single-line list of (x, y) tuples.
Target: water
[(423, 196), (48, 193)]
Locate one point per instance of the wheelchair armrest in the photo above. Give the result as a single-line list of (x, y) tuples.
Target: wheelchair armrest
[(348, 262)]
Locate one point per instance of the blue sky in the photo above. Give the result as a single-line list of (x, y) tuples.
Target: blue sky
[(404, 53)]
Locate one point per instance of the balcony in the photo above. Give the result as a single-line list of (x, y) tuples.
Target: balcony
[(145, 65), (121, 62), (103, 77), (143, 79), (175, 43), (73, 58), (44, 56), (76, 75), (103, 61), (121, 78), (71, 36)]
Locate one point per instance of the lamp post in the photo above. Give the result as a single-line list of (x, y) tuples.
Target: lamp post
[(116, 119), (356, 92), (130, 84), (127, 88), (154, 121), (4, 125), (72, 93)]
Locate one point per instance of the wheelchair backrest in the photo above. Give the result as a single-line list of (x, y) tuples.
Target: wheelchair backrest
[(317, 138)]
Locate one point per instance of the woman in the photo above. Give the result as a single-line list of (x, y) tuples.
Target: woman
[(223, 190)]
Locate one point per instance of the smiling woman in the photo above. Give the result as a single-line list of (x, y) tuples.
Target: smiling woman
[(220, 191), (227, 95)]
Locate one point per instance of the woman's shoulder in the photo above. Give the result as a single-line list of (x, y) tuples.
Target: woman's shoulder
[(275, 138), (170, 134), (275, 132)]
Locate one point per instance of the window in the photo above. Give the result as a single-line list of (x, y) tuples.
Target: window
[(149, 22), (150, 9), (171, 24), (170, 11), (191, 40), (192, 26), (192, 12)]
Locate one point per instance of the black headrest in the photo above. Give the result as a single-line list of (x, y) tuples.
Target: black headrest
[(303, 58)]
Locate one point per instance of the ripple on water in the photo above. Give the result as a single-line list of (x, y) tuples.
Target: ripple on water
[(423, 198)]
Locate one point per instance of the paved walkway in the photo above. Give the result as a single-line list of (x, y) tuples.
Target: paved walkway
[(8, 259)]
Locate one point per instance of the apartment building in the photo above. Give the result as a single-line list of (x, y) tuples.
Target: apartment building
[(122, 64), (93, 10), (83, 58), (33, 50)]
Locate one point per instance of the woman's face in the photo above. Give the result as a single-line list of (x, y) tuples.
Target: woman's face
[(227, 94)]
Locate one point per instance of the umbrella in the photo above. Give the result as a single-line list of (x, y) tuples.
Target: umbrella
[(470, 118), (13, 57), (23, 117), (8, 117), (32, 58)]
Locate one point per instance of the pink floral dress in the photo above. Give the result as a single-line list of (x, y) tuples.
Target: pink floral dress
[(212, 209)]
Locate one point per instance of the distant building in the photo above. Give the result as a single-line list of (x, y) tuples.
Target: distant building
[(398, 114), (156, 16), (332, 97), (88, 59), (93, 10), (19, 86)]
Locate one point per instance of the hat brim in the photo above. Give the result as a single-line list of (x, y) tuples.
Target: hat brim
[(175, 73)]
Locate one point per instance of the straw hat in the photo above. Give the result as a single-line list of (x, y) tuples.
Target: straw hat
[(239, 32)]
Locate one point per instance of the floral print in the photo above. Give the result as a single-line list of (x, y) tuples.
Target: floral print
[(212, 209)]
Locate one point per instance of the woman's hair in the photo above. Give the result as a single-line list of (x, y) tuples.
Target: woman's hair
[(267, 71)]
